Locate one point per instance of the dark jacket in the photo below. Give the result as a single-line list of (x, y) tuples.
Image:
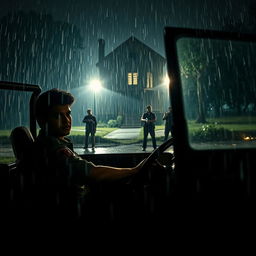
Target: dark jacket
[(150, 116), (168, 119), (91, 123)]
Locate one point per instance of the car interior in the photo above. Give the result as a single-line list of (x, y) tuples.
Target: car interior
[(211, 175)]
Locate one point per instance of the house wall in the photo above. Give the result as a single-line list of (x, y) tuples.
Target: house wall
[(130, 100)]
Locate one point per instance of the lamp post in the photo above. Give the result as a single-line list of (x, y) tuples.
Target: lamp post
[(95, 86)]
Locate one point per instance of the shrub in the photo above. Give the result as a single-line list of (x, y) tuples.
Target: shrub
[(102, 124), (112, 123), (211, 132), (119, 120)]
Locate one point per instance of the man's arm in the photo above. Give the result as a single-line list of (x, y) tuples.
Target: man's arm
[(85, 119), (109, 173), (143, 118), (82, 169)]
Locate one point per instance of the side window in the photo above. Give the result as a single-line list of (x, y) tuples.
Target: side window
[(149, 80), (14, 112), (219, 91)]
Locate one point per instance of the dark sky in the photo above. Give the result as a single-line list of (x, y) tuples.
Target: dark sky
[(115, 21)]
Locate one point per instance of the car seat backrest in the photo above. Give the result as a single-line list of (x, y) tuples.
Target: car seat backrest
[(22, 141)]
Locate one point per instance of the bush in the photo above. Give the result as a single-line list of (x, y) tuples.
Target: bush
[(102, 124), (115, 123), (119, 121), (112, 123), (210, 132)]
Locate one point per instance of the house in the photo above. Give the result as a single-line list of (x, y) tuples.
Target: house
[(132, 75)]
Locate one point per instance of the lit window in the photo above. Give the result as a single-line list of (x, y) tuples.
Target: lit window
[(135, 78), (149, 80), (132, 78)]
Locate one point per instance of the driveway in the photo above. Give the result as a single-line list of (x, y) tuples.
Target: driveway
[(124, 134), (129, 133)]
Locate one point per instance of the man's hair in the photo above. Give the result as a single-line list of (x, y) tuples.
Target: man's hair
[(149, 106), (50, 98)]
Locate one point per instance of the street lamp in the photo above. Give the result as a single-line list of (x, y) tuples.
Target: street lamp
[(166, 80), (95, 86)]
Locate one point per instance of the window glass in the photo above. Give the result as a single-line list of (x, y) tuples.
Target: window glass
[(130, 78), (219, 91), (135, 78), (149, 80), (14, 111)]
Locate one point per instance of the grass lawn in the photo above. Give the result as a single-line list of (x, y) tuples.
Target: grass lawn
[(234, 124)]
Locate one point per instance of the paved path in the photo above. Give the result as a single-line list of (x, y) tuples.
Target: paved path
[(129, 133), (124, 134)]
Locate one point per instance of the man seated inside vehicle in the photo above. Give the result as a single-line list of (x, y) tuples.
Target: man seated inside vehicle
[(60, 169)]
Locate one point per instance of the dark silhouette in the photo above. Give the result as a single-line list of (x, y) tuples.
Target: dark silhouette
[(90, 128), (148, 119), (168, 123), (64, 178)]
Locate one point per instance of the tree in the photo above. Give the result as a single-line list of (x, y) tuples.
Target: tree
[(39, 50), (193, 63)]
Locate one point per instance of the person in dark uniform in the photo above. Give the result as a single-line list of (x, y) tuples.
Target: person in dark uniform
[(90, 128), (148, 119), (168, 123), (61, 171)]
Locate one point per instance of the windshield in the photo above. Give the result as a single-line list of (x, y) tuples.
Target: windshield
[(110, 56)]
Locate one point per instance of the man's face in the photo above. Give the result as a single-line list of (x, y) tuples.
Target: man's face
[(60, 120), (149, 109)]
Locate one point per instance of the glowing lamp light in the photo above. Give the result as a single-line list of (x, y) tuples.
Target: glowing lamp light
[(95, 85), (166, 80)]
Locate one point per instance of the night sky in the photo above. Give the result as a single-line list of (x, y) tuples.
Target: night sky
[(116, 21)]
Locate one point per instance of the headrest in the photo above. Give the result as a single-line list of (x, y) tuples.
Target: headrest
[(22, 140)]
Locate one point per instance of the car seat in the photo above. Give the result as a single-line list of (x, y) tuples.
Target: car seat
[(22, 141), (24, 177)]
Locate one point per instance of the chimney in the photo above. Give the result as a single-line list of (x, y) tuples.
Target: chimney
[(101, 49)]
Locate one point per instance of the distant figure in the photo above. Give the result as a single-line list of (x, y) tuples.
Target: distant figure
[(168, 123), (148, 119), (90, 128)]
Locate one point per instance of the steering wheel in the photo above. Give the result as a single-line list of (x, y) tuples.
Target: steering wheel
[(157, 153), (145, 172)]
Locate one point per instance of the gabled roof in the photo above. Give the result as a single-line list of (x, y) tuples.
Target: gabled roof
[(130, 42)]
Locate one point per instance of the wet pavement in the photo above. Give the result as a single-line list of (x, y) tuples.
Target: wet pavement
[(129, 133), (121, 134), (120, 149)]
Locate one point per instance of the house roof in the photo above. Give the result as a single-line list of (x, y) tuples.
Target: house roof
[(129, 43)]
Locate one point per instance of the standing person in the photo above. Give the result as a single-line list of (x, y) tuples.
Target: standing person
[(90, 128), (149, 119), (168, 123)]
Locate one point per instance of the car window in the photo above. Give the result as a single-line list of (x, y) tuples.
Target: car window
[(219, 92), (14, 111)]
